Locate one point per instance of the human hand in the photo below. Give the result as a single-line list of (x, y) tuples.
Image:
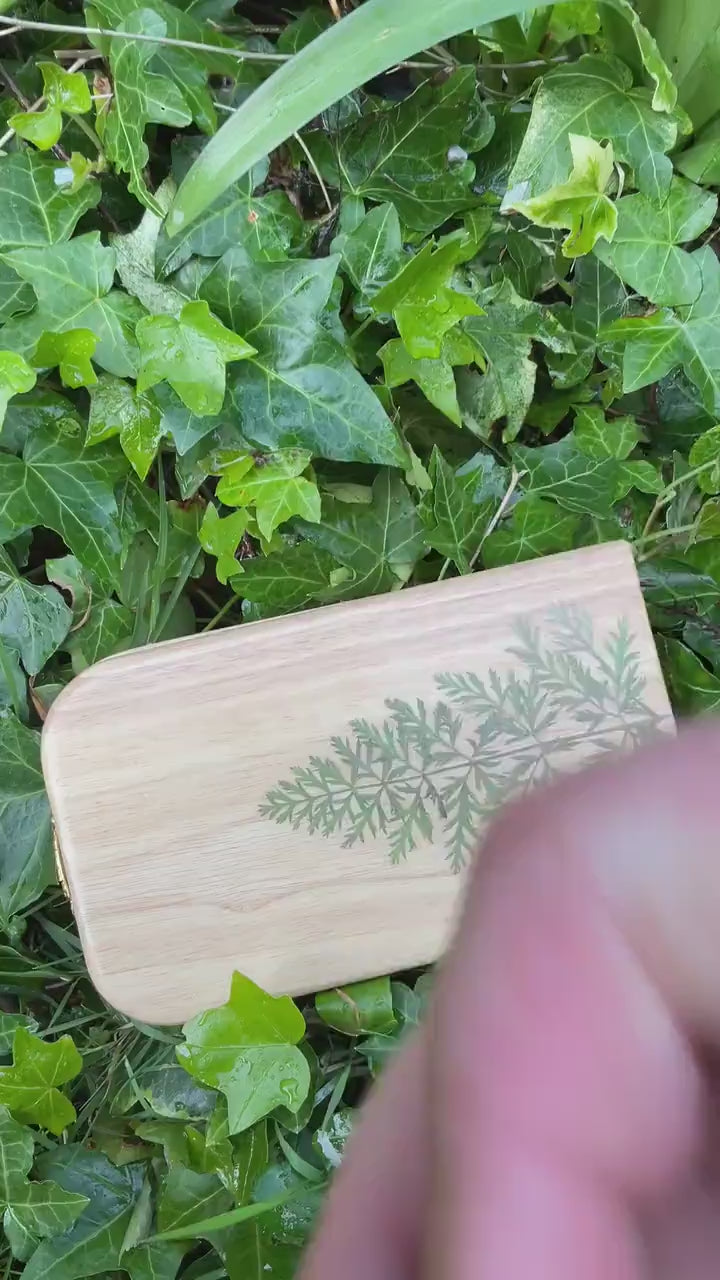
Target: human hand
[(556, 1118)]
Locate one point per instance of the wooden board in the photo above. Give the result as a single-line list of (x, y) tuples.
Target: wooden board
[(298, 798)]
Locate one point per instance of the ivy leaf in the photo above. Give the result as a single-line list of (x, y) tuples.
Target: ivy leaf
[(288, 580), (434, 377), (187, 1196), (645, 251), (579, 204), (221, 538), (29, 1087), (503, 336), (247, 1049), (34, 210), (15, 295), (593, 96), (33, 620), (190, 353), (117, 409), (598, 299), (535, 528), (71, 353), (372, 254), (421, 301), (274, 485), (400, 153), (574, 479), (701, 162), (360, 1008), (299, 390), (65, 92), (695, 689), (73, 284), (139, 97), (16, 1154), (39, 1209), (379, 543), (458, 510), (658, 343), (268, 227), (158, 1261), (706, 453), (135, 260), (62, 486), (27, 864), (95, 1242), (16, 377)]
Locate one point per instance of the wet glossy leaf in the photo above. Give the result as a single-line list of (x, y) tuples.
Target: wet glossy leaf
[(71, 352), (593, 96), (190, 353), (34, 620), (95, 1241), (580, 204), (34, 210), (422, 301), (42, 128), (187, 1197), (73, 284), (380, 543), (27, 864), (645, 252), (16, 377), (116, 409), (598, 299), (300, 390), (29, 1087), (135, 261), (247, 1049), (358, 1008)]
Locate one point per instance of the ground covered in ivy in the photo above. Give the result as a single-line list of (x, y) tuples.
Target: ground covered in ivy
[(469, 316)]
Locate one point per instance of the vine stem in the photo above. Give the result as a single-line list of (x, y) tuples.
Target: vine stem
[(245, 55), (667, 496)]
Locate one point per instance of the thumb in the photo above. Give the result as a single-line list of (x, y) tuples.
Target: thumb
[(562, 1069)]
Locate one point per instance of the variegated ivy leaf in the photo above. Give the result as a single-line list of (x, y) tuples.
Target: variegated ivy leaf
[(580, 204), (190, 353), (593, 96)]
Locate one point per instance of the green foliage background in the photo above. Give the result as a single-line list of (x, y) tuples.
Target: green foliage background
[(469, 316)]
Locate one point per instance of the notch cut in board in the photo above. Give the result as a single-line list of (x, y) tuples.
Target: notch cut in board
[(299, 798)]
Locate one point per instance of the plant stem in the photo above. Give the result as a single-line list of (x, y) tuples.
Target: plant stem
[(221, 613), (245, 55)]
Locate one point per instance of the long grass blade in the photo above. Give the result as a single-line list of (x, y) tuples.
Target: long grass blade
[(374, 37)]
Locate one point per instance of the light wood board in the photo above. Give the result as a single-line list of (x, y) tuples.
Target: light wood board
[(191, 843)]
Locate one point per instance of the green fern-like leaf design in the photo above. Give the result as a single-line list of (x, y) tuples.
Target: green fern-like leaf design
[(438, 772)]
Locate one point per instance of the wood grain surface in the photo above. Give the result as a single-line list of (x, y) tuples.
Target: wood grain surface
[(299, 798)]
